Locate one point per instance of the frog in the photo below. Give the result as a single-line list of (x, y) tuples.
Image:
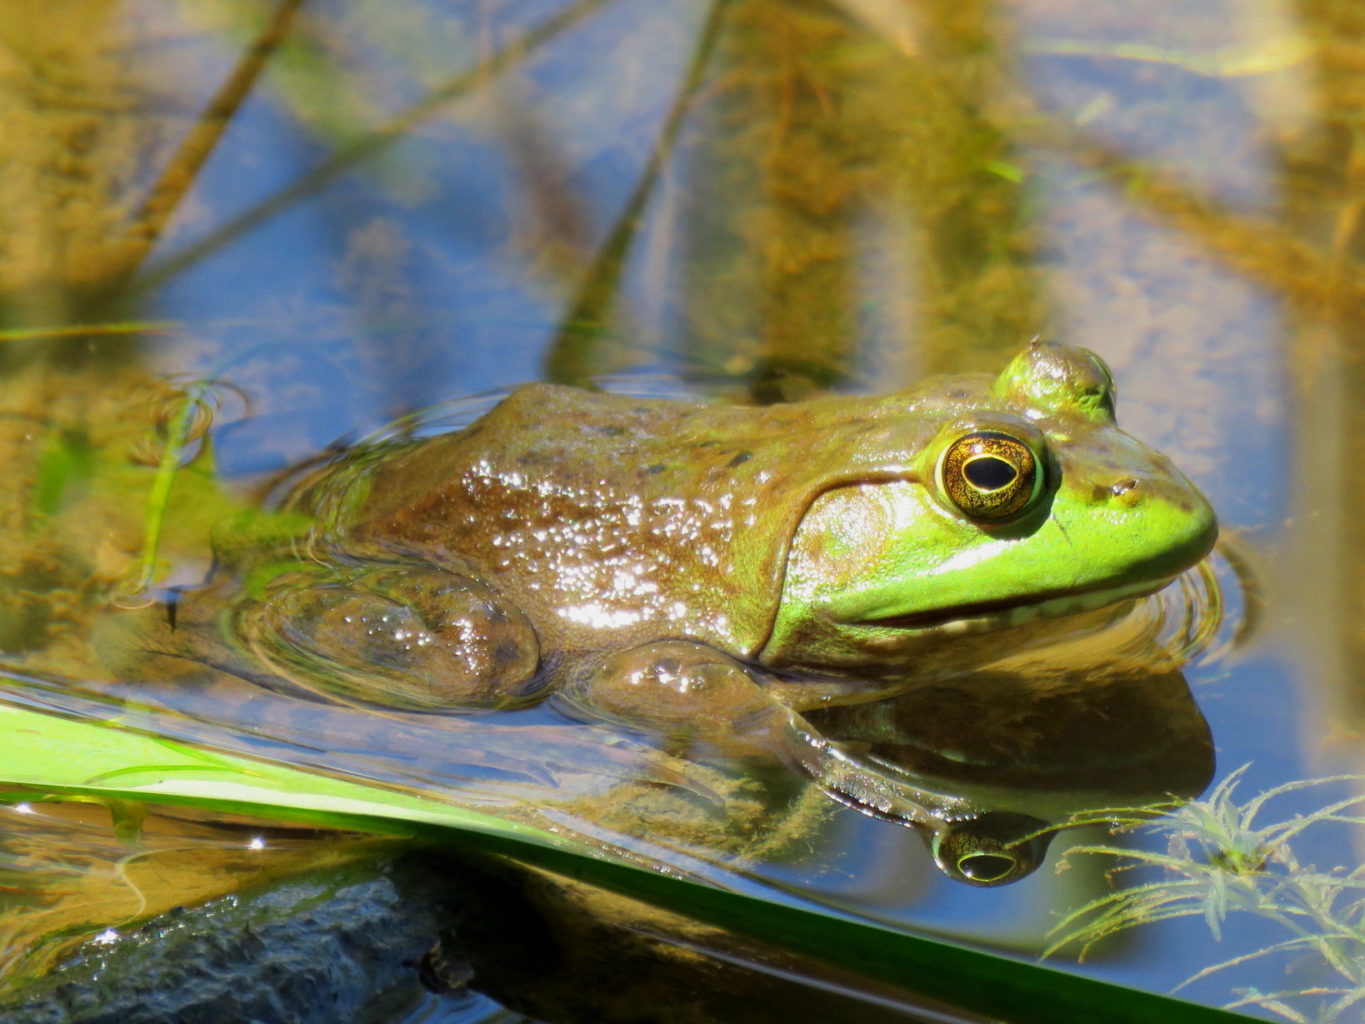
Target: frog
[(620, 552), (711, 573)]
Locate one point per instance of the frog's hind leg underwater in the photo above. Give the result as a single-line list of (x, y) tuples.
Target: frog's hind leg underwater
[(400, 636)]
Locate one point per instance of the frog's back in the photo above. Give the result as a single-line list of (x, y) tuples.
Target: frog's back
[(597, 512)]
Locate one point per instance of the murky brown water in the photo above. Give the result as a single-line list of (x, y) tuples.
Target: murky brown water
[(341, 212)]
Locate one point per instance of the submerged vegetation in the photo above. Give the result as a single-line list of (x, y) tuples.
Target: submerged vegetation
[(1220, 861)]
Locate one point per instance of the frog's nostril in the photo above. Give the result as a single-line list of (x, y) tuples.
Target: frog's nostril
[(1122, 486)]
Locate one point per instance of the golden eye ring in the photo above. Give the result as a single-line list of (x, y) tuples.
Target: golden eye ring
[(990, 475)]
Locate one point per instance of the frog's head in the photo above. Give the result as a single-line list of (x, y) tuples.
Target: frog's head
[(1023, 500)]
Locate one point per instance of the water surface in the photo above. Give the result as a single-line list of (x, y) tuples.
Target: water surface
[(341, 212)]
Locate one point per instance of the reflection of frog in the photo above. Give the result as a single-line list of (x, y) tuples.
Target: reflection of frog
[(988, 767)]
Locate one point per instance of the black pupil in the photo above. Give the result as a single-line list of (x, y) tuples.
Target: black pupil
[(989, 473), (986, 867)]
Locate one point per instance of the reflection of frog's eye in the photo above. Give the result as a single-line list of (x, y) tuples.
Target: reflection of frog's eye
[(990, 475), (998, 848)]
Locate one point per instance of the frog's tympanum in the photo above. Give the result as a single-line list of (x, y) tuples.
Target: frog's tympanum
[(715, 569)]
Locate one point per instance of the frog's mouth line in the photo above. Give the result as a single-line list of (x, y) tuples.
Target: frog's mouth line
[(1005, 612)]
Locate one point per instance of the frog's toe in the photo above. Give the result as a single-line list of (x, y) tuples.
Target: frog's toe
[(412, 638)]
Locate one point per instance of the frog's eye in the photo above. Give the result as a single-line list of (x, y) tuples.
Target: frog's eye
[(990, 475)]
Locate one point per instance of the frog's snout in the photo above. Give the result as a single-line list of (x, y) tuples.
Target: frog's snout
[(1175, 522)]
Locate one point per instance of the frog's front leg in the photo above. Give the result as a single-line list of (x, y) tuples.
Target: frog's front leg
[(695, 696), (409, 637)]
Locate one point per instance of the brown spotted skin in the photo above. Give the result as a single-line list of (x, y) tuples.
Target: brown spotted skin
[(613, 520)]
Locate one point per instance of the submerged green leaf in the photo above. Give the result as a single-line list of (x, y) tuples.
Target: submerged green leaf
[(70, 756), (64, 469)]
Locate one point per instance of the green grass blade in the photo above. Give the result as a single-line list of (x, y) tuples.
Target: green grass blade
[(48, 752)]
